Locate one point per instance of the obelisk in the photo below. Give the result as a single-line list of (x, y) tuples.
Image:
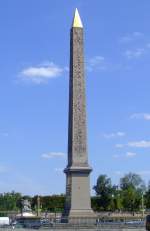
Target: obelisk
[(78, 201)]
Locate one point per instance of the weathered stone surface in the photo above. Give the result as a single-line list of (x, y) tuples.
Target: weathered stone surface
[(77, 142), (78, 202)]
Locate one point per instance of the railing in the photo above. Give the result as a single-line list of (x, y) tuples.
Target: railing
[(56, 222), (75, 224)]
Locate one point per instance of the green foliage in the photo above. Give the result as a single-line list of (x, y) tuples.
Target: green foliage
[(132, 180), (127, 197), (54, 203), (103, 185), (131, 199), (12, 202), (104, 191), (95, 203), (132, 187), (9, 201), (130, 195), (147, 197)]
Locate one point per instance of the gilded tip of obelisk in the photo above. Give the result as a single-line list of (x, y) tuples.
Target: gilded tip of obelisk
[(77, 20)]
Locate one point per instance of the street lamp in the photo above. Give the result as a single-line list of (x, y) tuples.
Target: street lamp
[(142, 205)]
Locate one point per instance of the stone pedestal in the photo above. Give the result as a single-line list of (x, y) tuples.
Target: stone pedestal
[(78, 201)]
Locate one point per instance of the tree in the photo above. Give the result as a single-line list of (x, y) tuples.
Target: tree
[(95, 203), (104, 191), (9, 201), (132, 187), (52, 203), (131, 199), (147, 197), (116, 203), (132, 180)]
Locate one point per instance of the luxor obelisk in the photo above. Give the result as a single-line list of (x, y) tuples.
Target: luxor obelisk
[(78, 202)]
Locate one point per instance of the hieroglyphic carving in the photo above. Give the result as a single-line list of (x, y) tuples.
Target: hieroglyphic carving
[(77, 150), (78, 201)]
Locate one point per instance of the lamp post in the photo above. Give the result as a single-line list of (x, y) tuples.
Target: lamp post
[(142, 204), (38, 206)]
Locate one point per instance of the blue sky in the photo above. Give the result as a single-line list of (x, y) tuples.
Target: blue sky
[(34, 49)]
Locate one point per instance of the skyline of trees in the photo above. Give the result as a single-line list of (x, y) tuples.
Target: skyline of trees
[(131, 194)]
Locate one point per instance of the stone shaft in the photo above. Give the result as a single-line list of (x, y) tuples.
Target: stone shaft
[(78, 202), (77, 140)]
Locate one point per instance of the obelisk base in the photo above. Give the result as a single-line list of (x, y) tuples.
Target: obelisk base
[(82, 217), (78, 201)]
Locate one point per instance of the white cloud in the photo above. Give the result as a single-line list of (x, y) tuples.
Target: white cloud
[(120, 134), (134, 54), (132, 37), (59, 170), (41, 73), (139, 51), (116, 156), (53, 155), (126, 155), (139, 144), (119, 145), (145, 116), (113, 135), (135, 144), (97, 62), (130, 154)]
